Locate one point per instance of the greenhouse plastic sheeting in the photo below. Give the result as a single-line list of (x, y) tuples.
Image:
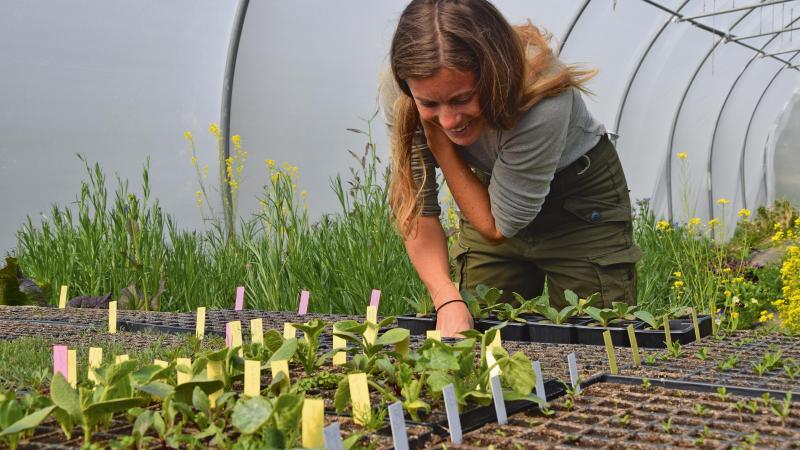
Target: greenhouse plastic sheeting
[(121, 82)]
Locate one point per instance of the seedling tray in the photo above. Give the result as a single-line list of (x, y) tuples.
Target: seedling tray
[(513, 331), (616, 412), (417, 325), (550, 333)]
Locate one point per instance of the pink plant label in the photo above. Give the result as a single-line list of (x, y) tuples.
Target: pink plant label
[(239, 298), (375, 299), (303, 309), (228, 337), (60, 359)]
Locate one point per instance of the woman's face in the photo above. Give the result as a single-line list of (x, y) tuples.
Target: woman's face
[(449, 100)]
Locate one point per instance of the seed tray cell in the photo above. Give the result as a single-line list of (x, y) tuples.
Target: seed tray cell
[(612, 414)]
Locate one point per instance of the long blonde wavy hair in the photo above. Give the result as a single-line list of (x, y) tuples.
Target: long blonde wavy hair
[(515, 67)]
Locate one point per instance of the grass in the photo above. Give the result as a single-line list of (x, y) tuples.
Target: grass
[(103, 246)]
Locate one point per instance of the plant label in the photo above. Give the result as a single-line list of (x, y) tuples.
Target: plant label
[(359, 396), (371, 333), (333, 437), (637, 359), (112, 317), (257, 331), (375, 298), (499, 403), (696, 325), (281, 366), (540, 392), (492, 363), (182, 376), (453, 419), (121, 359), (252, 378), (573, 373), (215, 371), (340, 358), (200, 323), (239, 304), (313, 422), (62, 299), (72, 368), (95, 361), (436, 335), (60, 360), (289, 331), (303, 308), (161, 363), (236, 336), (398, 422), (612, 357), (496, 342), (667, 334)]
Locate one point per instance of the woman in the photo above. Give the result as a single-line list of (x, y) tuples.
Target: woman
[(539, 185)]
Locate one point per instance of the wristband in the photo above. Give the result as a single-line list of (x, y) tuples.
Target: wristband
[(448, 302)]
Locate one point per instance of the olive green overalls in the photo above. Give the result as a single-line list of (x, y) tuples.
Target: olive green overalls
[(582, 239)]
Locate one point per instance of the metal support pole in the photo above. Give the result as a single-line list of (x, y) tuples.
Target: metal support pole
[(741, 8), (225, 114), (781, 53), (752, 36), (572, 25)]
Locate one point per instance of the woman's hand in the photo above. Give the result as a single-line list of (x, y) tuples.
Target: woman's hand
[(438, 142), (453, 319)]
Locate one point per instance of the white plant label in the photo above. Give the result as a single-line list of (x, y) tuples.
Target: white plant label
[(573, 373), (453, 419), (333, 437), (499, 403), (540, 392), (399, 435)]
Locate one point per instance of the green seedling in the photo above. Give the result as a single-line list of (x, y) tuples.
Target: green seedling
[(752, 406), (739, 406), (646, 383), (768, 362), (601, 316), (648, 318), (702, 436), (674, 349), (766, 399), (760, 368), (623, 420), (579, 303), (791, 368), (623, 310), (729, 363), (553, 315), (650, 359), (700, 410), (666, 425), (308, 347), (722, 393), (752, 439), (782, 409), (702, 354)]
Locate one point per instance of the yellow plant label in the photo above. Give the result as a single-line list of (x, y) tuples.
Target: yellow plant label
[(402, 347), (371, 333), (257, 331), (359, 396), (491, 361), (289, 331), (200, 323), (72, 368), (637, 359), (183, 377), (62, 299), (95, 361), (696, 324), (313, 422), (496, 342), (667, 334), (121, 359), (215, 371), (160, 363), (436, 335), (236, 336), (339, 358), (252, 378), (281, 366), (612, 356), (112, 317)]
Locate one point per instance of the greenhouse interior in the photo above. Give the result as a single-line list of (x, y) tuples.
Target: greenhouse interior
[(594, 206)]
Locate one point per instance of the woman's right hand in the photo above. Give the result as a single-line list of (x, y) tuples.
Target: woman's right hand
[(454, 318)]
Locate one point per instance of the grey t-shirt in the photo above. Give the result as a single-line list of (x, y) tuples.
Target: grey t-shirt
[(521, 161)]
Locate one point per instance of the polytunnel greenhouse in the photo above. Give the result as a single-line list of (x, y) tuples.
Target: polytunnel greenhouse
[(221, 228)]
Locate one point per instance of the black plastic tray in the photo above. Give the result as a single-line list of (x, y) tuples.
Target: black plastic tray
[(417, 325)]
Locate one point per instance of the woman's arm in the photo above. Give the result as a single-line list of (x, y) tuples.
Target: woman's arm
[(427, 250), (469, 193)]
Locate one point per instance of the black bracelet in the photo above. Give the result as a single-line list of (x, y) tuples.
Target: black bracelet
[(448, 302)]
